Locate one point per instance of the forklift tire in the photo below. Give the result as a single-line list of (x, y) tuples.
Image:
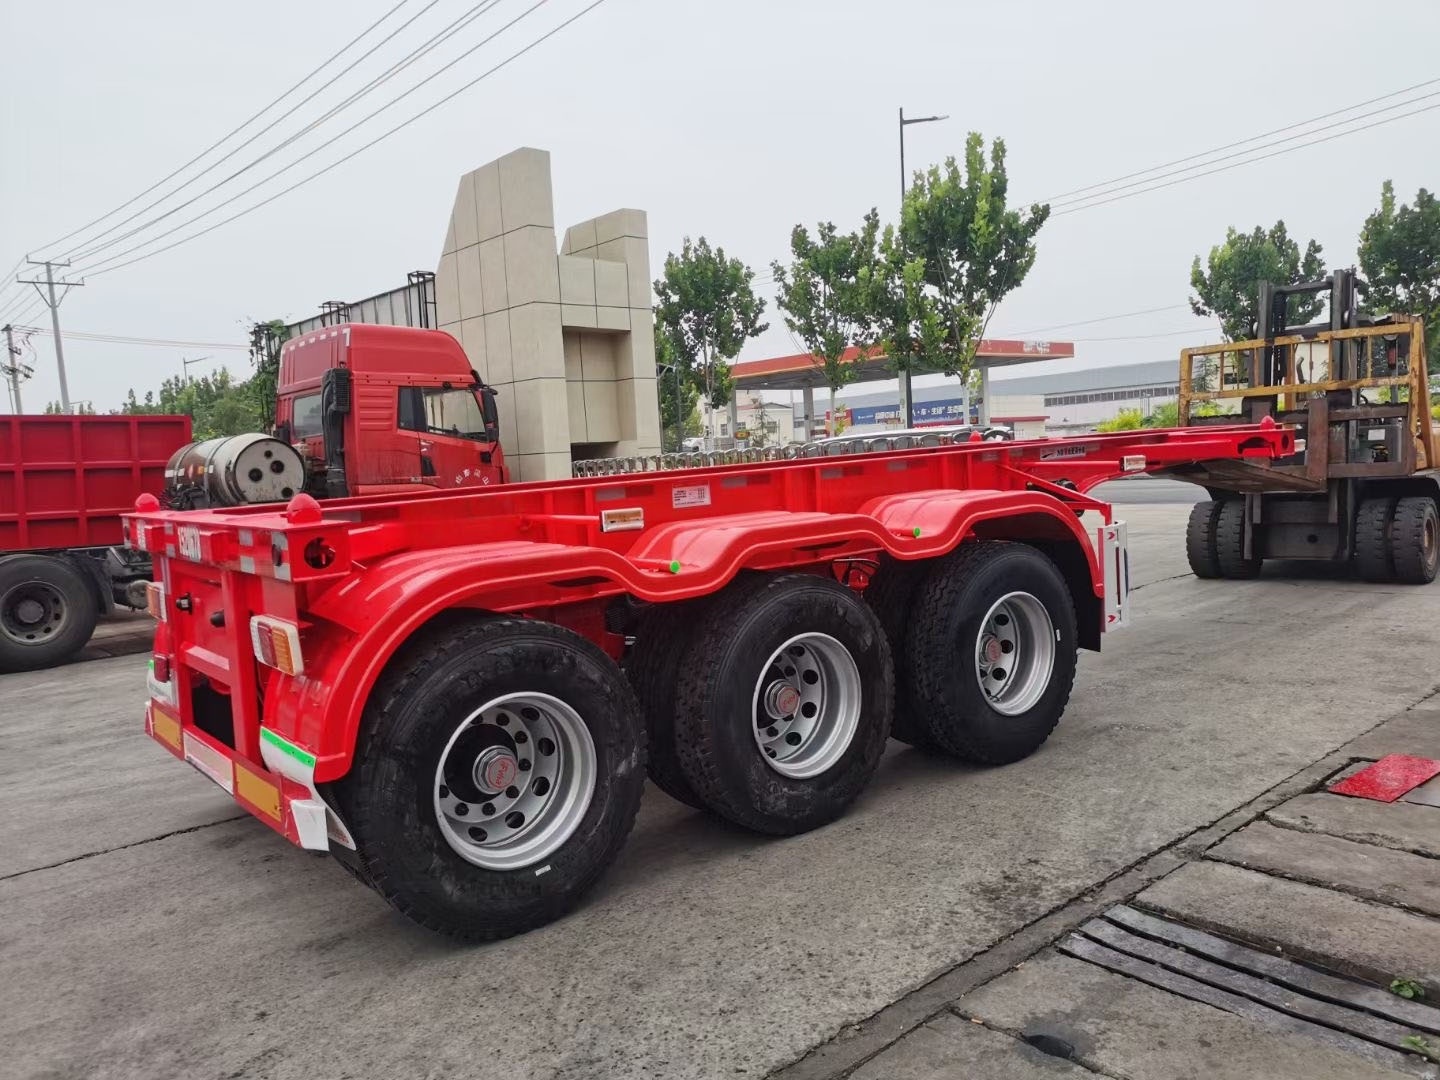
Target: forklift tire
[(986, 605), (1230, 543), (1200, 539), (1415, 540), (784, 702), (1373, 549), (504, 726), (662, 639), (890, 594), (48, 611)]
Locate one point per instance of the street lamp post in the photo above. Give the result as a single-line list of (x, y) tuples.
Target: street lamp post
[(185, 366), (907, 406)]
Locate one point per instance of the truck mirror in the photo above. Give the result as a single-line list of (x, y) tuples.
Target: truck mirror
[(490, 413)]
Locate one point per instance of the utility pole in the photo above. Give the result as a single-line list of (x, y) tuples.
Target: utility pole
[(53, 303), (11, 367)]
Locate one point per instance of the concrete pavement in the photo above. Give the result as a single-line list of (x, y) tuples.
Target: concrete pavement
[(147, 935)]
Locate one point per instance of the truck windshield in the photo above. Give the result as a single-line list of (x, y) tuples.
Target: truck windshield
[(442, 412)]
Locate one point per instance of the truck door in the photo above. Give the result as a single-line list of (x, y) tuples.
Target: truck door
[(453, 435)]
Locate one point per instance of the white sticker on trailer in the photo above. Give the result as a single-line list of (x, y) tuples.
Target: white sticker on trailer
[(210, 762), (693, 495)]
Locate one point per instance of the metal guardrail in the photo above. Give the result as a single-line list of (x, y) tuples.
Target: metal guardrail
[(860, 444)]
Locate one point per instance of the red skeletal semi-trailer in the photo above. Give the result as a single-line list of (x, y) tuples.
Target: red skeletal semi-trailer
[(457, 695)]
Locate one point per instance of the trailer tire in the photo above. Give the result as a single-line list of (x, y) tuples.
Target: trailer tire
[(739, 672), (1230, 543), (662, 639), (1373, 549), (441, 716), (1415, 540), (48, 611), (890, 594), (1200, 539), (972, 600)]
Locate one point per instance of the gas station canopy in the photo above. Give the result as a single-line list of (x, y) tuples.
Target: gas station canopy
[(802, 370)]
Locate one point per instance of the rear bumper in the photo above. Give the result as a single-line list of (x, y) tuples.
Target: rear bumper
[(282, 794)]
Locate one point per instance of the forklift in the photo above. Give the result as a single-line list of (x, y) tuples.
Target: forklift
[(1362, 486)]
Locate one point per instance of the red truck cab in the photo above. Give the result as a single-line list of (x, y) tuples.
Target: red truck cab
[(387, 409)]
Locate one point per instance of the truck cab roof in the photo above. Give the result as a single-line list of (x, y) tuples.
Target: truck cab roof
[(402, 355)]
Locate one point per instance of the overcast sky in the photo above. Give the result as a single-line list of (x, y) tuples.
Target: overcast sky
[(734, 120)]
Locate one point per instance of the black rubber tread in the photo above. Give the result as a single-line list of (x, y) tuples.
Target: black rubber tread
[(716, 692), (386, 798), (945, 623), (81, 611), (662, 638), (890, 594), (1373, 556), (1230, 543), (1200, 539), (1415, 540)]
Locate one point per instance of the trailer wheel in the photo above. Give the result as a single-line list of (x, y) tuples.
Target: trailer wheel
[(992, 651), (1200, 539), (662, 639), (889, 595), (1230, 543), (784, 703), (47, 612), (1373, 550), (1414, 543), (498, 771)]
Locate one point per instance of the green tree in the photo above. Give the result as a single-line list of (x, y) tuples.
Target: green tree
[(973, 250), (216, 404), (906, 316), (706, 305), (1400, 260), (1124, 420), (825, 295), (1228, 285), (266, 340), (77, 408), (677, 390)]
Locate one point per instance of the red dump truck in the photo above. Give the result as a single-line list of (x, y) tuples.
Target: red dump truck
[(64, 482), (459, 695)]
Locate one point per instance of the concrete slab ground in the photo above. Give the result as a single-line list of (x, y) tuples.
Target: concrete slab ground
[(173, 942)]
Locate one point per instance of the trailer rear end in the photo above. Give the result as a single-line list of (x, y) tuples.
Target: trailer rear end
[(65, 481), (460, 696)]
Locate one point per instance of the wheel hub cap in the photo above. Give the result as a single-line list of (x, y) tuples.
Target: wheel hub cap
[(1015, 653), (495, 769), (29, 611)]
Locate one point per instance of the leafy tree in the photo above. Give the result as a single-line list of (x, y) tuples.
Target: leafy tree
[(216, 404), (266, 340), (972, 250), (825, 295), (678, 396), (1400, 259), (906, 316), (706, 305), (1228, 286), (78, 408), (1124, 420)]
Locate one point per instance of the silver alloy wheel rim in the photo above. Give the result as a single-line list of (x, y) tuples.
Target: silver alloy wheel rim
[(806, 707), (32, 612), (515, 781), (1015, 653)]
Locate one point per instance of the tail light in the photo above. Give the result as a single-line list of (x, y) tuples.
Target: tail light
[(277, 644)]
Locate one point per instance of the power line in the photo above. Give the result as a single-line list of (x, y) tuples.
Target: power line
[(1242, 153), (328, 142), (354, 153), (1101, 319), (1238, 164), (120, 339), (224, 138), (1242, 142), (355, 96), (1142, 337)]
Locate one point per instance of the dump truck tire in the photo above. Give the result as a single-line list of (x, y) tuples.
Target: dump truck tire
[(662, 640), (47, 612), (992, 651), (498, 771), (1200, 539), (1230, 543), (889, 595), (1373, 552), (785, 700), (1415, 540)]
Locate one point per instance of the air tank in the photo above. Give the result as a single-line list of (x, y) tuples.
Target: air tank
[(234, 470)]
